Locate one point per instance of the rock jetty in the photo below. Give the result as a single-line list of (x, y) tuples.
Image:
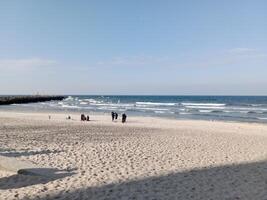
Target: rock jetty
[(7, 100)]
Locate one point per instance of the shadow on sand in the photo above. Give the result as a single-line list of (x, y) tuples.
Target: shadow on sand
[(242, 181), (27, 177), (13, 153)]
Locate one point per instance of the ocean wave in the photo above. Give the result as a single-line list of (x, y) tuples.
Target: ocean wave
[(68, 98), (218, 111), (242, 111), (205, 111), (107, 107), (184, 113), (112, 104), (70, 106), (204, 104), (155, 103), (92, 100), (88, 108), (252, 112), (152, 109), (262, 118), (255, 105), (110, 108), (159, 112), (247, 109), (205, 107)]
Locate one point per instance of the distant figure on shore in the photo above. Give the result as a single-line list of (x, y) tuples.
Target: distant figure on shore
[(49, 117), (83, 118), (112, 116), (87, 118), (69, 117), (116, 115), (124, 116)]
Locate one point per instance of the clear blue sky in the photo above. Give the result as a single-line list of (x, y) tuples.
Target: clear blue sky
[(133, 47)]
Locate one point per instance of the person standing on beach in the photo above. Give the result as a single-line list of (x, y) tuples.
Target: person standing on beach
[(112, 115), (83, 118), (116, 116), (124, 116)]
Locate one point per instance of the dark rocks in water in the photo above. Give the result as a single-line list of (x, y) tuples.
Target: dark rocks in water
[(7, 100)]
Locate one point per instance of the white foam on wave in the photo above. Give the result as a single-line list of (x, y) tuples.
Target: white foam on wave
[(155, 103), (69, 98), (243, 111), (69, 106), (159, 112), (111, 108), (83, 103), (88, 108), (206, 107), (248, 109), (184, 113), (153, 109), (92, 100), (113, 104), (227, 111), (204, 104), (262, 118), (257, 105), (205, 111)]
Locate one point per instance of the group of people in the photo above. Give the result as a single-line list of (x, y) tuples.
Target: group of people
[(114, 116), (85, 118)]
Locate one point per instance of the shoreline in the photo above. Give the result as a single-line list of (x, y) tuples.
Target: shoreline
[(92, 113)]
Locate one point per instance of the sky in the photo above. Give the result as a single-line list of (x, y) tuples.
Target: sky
[(124, 47)]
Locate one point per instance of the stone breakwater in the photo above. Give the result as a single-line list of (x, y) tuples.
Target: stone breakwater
[(6, 100)]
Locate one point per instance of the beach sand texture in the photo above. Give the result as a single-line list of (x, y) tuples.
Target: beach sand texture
[(146, 158)]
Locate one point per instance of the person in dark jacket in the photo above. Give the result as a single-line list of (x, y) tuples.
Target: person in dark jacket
[(116, 116), (112, 116), (83, 118), (124, 116)]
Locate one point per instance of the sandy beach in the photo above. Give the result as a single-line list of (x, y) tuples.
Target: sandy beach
[(146, 158)]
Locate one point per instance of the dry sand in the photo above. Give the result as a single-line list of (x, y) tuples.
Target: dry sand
[(146, 158)]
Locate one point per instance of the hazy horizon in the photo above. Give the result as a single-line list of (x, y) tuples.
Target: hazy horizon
[(133, 47)]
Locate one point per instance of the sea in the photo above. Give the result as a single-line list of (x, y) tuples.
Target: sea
[(226, 108)]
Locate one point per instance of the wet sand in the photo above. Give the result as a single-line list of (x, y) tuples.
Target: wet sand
[(146, 158)]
